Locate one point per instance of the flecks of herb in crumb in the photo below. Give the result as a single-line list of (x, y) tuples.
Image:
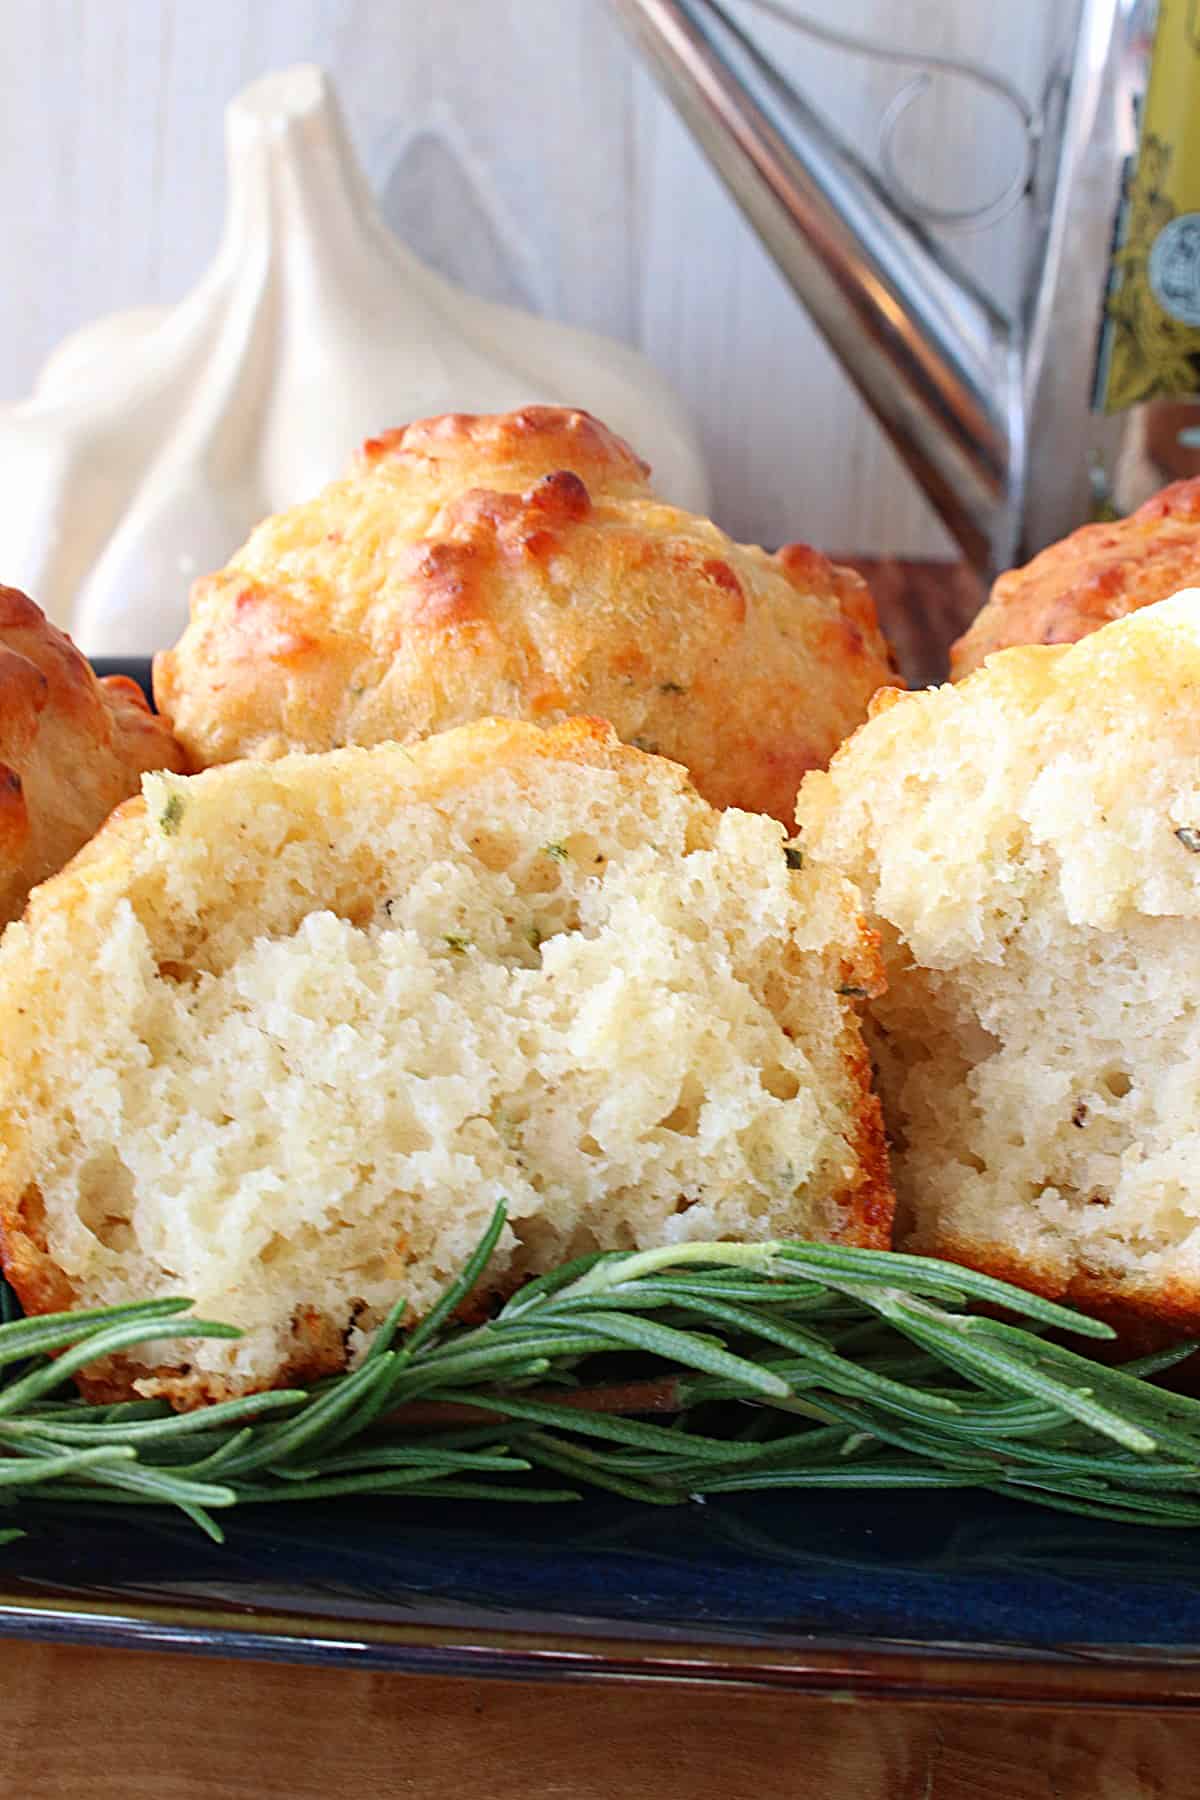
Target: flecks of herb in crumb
[(850, 992), (507, 1129), (1079, 1116), (557, 851), (646, 744), (793, 856), (453, 941), (388, 907), (171, 815), (1189, 836), (534, 934), (671, 687)]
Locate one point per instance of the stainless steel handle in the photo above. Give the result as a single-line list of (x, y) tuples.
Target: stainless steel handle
[(938, 364)]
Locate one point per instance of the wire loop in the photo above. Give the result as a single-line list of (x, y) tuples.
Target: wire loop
[(926, 212)]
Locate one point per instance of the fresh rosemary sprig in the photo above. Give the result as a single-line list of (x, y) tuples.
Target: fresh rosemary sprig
[(662, 1375)]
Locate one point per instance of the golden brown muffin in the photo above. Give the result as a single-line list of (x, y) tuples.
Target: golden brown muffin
[(1027, 844), (1098, 574), (285, 1032), (71, 748), (519, 565)]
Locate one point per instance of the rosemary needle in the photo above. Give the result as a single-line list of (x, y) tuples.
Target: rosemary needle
[(662, 1375)]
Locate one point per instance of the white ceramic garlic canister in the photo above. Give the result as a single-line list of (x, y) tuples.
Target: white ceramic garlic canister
[(155, 439)]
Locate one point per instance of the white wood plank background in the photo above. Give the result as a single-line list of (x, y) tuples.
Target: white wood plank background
[(519, 148)]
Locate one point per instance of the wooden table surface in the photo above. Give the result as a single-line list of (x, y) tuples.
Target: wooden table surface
[(120, 1725), (923, 607), (124, 1725)]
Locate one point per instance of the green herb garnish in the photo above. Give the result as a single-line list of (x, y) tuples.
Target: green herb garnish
[(865, 1368), (171, 814), (793, 856), (455, 941), (557, 851)]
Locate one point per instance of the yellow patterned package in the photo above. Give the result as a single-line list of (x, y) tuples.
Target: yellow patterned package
[(1150, 334)]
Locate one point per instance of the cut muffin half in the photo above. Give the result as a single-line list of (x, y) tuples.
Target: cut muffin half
[(1028, 846), (284, 1034)]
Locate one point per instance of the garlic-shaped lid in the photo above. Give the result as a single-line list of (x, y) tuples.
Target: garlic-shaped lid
[(156, 438)]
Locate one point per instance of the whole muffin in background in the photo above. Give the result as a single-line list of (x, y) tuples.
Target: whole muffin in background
[(71, 748), (1100, 573), (1027, 844), (519, 565), (285, 1032)]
